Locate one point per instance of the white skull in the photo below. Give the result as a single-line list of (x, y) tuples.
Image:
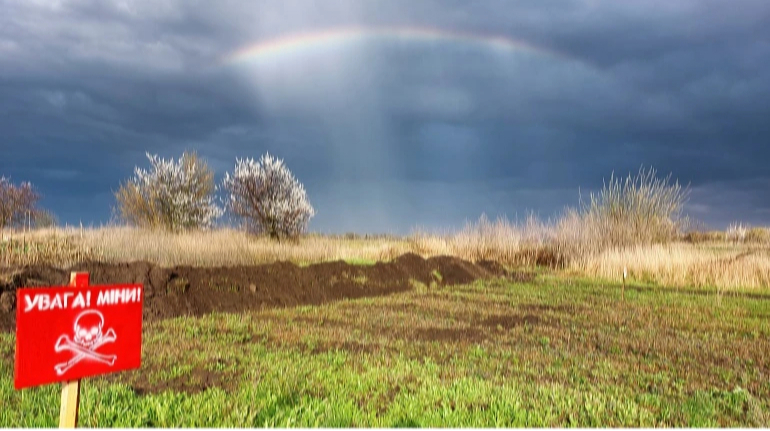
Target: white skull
[(88, 328)]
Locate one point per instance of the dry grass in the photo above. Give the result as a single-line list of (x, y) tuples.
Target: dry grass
[(683, 265), (698, 237), (56, 247), (758, 235), (587, 247), (515, 244), (231, 247), (715, 264), (200, 248)]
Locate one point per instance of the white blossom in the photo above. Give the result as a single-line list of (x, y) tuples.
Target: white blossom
[(267, 197), (178, 192)]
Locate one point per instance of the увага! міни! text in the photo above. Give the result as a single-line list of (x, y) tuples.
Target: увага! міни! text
[(75, 300)]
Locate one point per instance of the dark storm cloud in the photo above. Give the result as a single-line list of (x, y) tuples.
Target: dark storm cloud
[(390, 136)]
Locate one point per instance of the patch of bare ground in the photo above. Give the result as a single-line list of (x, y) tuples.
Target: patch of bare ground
[(186, 290), (156, 378), (447, 335), (543, 308), (198, 380), (353, 347), (510, 321), (404, 308), (383, 397), (321, 322)]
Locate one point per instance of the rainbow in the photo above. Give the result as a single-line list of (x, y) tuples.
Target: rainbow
[(289, 44)]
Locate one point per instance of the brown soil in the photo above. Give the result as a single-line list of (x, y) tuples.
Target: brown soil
[(184, 290), (465, 335), (352, 347), (510, 322), (541, 308), (197, 380)]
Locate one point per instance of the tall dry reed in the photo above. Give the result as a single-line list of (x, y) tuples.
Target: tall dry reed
[(682, 265)]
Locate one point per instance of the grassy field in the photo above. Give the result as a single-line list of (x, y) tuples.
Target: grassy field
[(554, 352)]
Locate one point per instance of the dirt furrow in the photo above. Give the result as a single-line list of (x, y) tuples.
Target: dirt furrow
[(185, 290)]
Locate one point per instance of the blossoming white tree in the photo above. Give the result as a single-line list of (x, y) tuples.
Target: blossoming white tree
[(267, 197), (171, 195)]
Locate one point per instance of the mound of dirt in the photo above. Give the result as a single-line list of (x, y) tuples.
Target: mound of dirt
[(184, 290)]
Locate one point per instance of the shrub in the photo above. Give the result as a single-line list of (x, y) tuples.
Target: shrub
[(736, 232), (758, 235), (697, 237), (739, 232), (17, 203), (171, 195), (42, 219), (642, 209), (268, 198)]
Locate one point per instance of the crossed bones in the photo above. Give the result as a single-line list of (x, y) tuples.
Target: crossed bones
[(64, 343)]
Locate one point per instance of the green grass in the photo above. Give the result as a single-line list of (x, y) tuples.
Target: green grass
[(548, 353), (361, 262)]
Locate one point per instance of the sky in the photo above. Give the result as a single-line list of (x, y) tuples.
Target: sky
[(394, 114)]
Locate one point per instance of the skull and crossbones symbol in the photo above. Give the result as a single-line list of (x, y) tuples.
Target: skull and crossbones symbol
[(89, 336)]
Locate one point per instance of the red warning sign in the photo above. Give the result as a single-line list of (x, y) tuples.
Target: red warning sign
[(67, 333)]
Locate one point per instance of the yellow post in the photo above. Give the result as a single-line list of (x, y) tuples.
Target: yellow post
[(70, 393), (70, 400)]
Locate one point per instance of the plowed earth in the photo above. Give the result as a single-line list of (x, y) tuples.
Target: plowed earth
[(184, 290)]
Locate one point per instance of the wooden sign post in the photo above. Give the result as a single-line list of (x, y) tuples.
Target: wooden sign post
[(64, 334), (70, 392)]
